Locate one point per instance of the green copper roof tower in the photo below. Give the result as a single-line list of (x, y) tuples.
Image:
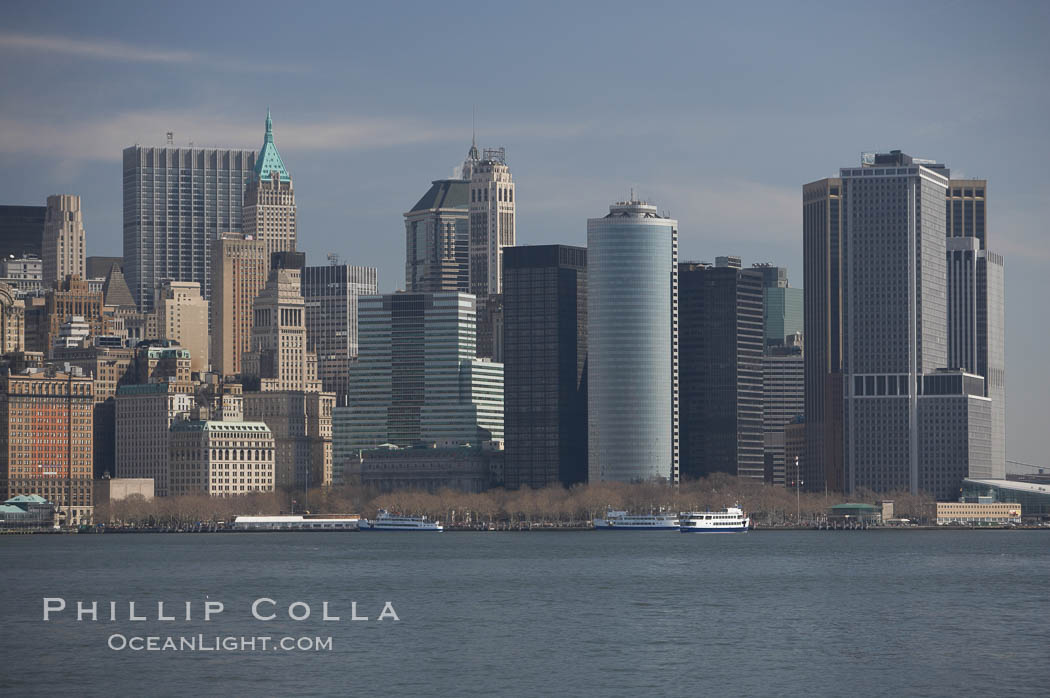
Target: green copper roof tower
[(269, 159)]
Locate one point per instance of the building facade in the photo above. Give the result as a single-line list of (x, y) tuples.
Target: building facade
[(21, 230), (12, 321), (279, 359), (63, 248), (182, 316), (462, 468), (895, 336), (331, 293), (966, 212), (632, 345), (783, 390), (143, 415), (417, 378), (220, 458), (491, 228), (269, 213), (176, 202), (721, 340), (301, 427), (545, 365), (239, 266), (46, 440), (437, 239), (823, 218)]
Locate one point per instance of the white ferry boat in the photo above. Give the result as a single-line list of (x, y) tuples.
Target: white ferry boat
[(622, 521), (309, 522), (731, 520), (386, 521)]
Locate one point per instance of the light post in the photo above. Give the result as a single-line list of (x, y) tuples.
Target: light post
[(798, 495)]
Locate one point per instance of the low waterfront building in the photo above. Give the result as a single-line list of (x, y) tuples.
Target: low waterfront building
[(27, 511), (431, 468), (855, 513), (1034, 497), (978, 513), (220, 459)]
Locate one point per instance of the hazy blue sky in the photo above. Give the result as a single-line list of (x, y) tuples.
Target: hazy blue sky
[(718, 113)]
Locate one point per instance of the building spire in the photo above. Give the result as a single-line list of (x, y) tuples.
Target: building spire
[(269, 160), (472, 154)]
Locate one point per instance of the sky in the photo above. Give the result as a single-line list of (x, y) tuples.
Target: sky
[(718, 113)]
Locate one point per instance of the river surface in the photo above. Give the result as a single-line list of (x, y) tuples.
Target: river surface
[(901, 613)]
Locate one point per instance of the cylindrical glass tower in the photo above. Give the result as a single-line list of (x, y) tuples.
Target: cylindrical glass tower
[(632, 354)]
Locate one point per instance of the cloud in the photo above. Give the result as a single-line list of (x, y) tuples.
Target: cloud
[(104, 139), (101, 49)]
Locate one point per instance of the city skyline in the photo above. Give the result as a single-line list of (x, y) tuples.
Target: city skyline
[(718, 147)]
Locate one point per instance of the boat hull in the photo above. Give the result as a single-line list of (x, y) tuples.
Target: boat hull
[(720, 529), (622, 527)]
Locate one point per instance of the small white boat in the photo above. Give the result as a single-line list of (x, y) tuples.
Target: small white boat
[(385, 521), (623, 521), (730, 520)]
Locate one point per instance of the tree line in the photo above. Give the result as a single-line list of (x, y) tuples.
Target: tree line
[(554, 506)]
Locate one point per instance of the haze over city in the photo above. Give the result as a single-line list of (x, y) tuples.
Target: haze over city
[(716, 114)]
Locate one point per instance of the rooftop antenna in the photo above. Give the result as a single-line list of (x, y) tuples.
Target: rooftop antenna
[(171, 137)]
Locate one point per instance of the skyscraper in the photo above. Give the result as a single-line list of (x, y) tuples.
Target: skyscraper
[(437, 239), (977, 331), (632, 337), (182, 315), (545, 365), (63, 250), (417, 377), (822, 235), (279, 359), (331, 293), (491, 228), (176, 202), (269, 212), (720, 349), (966, 209), (895, 335), (281, 373), (239, 270)]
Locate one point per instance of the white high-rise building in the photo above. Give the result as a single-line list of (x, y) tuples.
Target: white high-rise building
[(491, 228), (912, 421), (632, 344), (177, 201)]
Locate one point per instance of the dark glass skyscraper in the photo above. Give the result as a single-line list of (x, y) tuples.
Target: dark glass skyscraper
[(21, 230), (545, 365), (721, 341), (822, 220)]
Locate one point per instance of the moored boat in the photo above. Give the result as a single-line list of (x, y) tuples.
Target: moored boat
[(729, 520), (624, 521), (385, 521)]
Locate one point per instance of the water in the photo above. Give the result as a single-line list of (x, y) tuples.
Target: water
[(577, 613)]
